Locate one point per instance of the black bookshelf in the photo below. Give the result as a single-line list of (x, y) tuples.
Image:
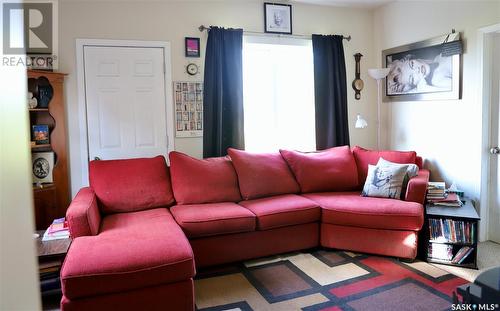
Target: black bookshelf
[(467, 214)]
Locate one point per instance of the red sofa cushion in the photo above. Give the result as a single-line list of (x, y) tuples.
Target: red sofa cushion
[(333, 169), (283, 210), (199, 220), (197, 181), (262, 174), (131, 184), (364, 157), (351, 209), (133, 250)]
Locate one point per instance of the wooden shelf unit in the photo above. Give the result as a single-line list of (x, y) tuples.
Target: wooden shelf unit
[(52, 200), (465, 213), (44, 146)]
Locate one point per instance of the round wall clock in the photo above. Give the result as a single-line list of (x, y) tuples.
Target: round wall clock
[(192, 69)]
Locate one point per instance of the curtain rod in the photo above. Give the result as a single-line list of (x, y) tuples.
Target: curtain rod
[(203, 28)]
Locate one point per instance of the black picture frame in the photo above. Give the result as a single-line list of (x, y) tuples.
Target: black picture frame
[(426, 53), (190, 51), (287, 28)]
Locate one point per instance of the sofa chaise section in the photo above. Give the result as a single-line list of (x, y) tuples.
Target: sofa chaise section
[(127, 251), (135, 250)]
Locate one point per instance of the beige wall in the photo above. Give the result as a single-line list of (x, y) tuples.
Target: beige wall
[(446, 133), (19, 289), (174, 20)]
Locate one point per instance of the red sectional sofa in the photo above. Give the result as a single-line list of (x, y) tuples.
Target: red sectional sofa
[(141, 227)]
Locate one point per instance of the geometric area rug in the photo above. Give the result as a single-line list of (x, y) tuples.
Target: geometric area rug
[(326, 280)]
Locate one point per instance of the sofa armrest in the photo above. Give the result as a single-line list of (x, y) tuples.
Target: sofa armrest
[(417, 187), (83, 214)]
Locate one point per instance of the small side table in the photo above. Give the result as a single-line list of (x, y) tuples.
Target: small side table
[(464, 214), (50, 258)]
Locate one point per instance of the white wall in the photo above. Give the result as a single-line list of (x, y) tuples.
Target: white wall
[(446, 133), (174, 20), (19, 289)]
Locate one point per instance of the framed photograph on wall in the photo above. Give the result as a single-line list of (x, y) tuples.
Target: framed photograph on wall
[(43, 164), (188, 99), (192, 47), (278, 18), (419, 71)]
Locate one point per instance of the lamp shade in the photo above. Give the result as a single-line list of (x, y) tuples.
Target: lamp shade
[(360, 122), (378, 73)]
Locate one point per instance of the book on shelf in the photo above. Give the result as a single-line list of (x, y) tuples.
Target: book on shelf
[(57, 230), (462, 254), (451, 231), (50, 284), (436, 190), (449, 200), (438, 195), (440, 251), (50, 264)]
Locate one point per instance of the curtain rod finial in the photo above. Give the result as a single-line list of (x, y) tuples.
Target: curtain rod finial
[(348, 38), (201, 28)]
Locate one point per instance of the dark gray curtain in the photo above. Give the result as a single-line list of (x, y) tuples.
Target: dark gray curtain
[(223, 92), (330, 91)]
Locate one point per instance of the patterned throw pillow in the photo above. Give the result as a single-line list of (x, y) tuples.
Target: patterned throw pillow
[(384, 181), (412, 170)]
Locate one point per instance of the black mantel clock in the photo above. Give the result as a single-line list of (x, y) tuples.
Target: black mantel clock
[(357, 84)]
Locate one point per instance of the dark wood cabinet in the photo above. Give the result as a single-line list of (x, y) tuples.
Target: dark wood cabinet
[(51, 199)]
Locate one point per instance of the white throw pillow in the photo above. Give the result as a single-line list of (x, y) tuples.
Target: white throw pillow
[(384, 181), (412, 170)]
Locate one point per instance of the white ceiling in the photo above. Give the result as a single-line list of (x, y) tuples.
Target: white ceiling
[(365, 4), (369, 4)]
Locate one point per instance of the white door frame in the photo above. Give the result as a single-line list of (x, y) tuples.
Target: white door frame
[(484, 75), (82, 103)]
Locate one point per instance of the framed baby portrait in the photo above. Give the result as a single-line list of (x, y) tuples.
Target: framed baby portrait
[(423, 70)]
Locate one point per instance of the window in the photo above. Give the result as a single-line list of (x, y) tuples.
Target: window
[(278, 94)]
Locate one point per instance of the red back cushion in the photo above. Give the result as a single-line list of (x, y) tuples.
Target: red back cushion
[(333, 169), (419, 161), (196, 181), (131, 185), (262, 174), (364, 157)]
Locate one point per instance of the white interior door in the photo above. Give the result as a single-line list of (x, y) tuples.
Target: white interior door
[(126, 102), (494, 208)]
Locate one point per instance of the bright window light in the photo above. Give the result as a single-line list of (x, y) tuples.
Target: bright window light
[(278, 94)]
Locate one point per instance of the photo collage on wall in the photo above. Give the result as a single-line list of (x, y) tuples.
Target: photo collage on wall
[(188, 109)]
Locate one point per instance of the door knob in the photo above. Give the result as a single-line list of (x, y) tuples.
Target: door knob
[(495, 150), (98, 159)]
